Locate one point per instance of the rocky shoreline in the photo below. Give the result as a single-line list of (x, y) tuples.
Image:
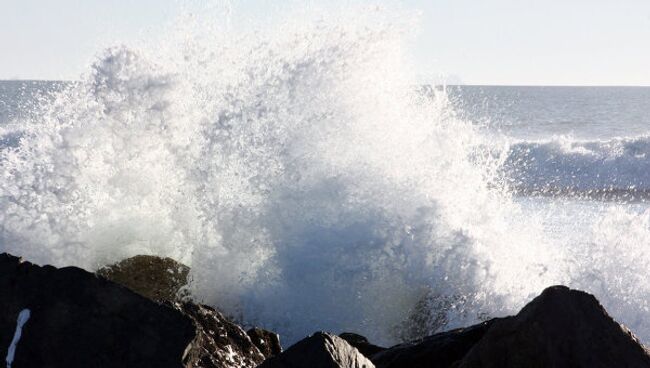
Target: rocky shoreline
[(123, 317)]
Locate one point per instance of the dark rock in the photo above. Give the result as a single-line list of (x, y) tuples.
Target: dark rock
[(321, 350), (268, 342), (440, 350), (157, 278), (560, 328), (361, 343), (80, 320), (219, 342), (72, 318)]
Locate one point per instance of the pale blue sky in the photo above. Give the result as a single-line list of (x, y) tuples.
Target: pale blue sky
[(542, 42)]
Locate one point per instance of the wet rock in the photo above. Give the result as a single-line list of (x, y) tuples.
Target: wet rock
[(79, 320), (361, 343), (560, 328), (219, 343), (439, 350), (321, 350), (72, 318), (154, 277), (268, 342)]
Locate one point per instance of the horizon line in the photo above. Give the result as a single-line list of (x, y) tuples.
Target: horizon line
[(425, 84)]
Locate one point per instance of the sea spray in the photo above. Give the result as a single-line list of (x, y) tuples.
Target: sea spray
[(297, 168)]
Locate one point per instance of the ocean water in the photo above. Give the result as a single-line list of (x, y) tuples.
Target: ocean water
[(312, 182)]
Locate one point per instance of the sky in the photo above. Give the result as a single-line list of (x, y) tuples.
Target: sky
[(493, 42)]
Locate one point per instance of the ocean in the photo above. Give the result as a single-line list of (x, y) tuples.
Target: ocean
[(311, 184)]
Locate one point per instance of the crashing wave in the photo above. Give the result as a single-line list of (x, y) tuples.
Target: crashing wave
[(616, 169), (297, 172)]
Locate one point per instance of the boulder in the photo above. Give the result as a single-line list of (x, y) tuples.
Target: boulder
[(439, 350), (79, 320), (154, 277), (219, 342), (71, 318), (559, 328), (268, 342), (321, 350), (361, 343)]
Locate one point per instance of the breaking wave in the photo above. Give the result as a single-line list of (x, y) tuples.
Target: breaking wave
[(615, 169), (304, 179)]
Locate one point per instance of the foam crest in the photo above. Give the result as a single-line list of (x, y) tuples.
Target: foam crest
[(615, 168)]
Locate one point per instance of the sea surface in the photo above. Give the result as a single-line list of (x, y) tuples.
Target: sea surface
[(312, 183)]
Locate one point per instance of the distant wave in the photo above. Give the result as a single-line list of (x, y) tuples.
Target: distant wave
[(616, 169)]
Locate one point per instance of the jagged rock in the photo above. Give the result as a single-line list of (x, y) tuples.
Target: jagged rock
[(156, 278), (79, 320), (560, 328), (268, 342), (439, 350), (71, 318), (361, 343), (321, 350), (219, 343)]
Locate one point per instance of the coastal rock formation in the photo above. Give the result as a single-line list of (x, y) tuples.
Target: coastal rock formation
[(70, 318), (79, 320), (442, 350), (156, 278), (268, 342), (320, 350), (361, 343), (219, 343), (559, 328)]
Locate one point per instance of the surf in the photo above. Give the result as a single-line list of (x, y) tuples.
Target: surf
[(298, 172)]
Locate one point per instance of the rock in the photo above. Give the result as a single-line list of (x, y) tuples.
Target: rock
[(72, 318), (321, 350), (79, 320), (268, 342), (154, 277), (560, 328), (219, 343), (361, 343), (440, 350)]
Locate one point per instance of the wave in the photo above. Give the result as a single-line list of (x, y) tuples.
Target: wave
[(302, 178), (615, 169)]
